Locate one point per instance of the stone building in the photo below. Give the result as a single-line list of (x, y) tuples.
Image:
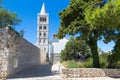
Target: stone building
[(42, 32), (43, 29), (48, 49)]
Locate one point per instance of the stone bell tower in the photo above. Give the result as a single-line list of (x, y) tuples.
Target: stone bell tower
[(43, 30)]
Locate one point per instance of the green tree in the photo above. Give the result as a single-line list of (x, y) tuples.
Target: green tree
[(7, 18), (72, 47), (108, 17), (73, 22)]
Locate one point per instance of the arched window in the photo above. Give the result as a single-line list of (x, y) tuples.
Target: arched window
[(43, 19), (44, 34), (40, 19), (40, 27), (45, 27), (40, 34)]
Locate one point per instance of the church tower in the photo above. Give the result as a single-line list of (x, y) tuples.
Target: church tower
[(43, 29)]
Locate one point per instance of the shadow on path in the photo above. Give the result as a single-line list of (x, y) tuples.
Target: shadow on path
[(35, 71)]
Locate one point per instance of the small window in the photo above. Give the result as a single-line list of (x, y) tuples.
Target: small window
[(42, 19), (15, 63), (45, 19), (45, 27), (44, 34), (40, 34), (40, 27)]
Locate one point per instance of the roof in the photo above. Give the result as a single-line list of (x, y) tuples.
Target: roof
[(43, 10)]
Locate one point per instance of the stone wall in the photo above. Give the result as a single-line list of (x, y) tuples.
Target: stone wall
[(16, 53), (89, 72)]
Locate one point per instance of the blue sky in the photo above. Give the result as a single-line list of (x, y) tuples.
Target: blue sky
[(27, 10)]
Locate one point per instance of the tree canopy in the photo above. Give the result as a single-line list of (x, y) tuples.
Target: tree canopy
[(73, 22), (7, 18), (92, 20), (108, 17), (72, 47)]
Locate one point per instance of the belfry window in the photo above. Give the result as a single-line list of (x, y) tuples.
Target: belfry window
[(44, 34), (45, 27), (40, 27), (40, 34), (42, 19)]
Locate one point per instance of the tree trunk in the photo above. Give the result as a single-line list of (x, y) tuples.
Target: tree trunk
[(115, 57), (94, 52)]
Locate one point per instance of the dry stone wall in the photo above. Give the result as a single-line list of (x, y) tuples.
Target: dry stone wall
[(89, 72), (16, 53)]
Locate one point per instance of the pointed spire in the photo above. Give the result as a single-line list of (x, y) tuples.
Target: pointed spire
[(43, 10)]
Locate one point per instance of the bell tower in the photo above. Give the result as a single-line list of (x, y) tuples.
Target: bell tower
[(43, 29)]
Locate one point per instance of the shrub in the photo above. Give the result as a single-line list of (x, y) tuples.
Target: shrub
[(118, 65), (72, 64), (65, 63), (63, 56), (104, 60), (88, 63), (79, 65), (73, 46)]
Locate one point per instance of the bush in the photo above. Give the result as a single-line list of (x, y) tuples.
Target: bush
[(118, 65), (72, 64), (65, 63), (79, 65), (104, 60), (72, 47), (63, 56), (88, 63)]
